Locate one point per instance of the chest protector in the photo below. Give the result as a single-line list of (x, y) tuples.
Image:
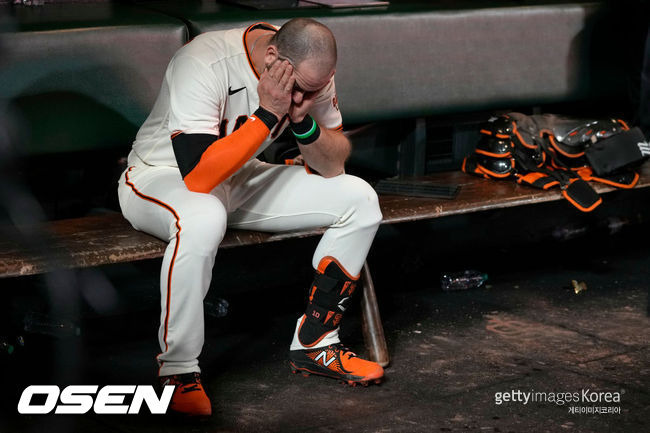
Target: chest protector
[(548, 151)]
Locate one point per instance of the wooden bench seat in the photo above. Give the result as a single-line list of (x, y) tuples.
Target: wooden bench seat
[(108, 238)]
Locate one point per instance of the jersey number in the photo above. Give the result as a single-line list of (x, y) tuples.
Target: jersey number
[(223, 129)]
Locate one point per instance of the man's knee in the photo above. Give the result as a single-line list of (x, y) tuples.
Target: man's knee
[(362, 199), (205, 227)]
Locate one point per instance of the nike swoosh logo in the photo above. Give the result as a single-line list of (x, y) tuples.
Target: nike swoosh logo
[(232, 92)]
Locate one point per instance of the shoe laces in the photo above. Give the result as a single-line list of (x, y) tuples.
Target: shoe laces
[(343, 350), (183, 379), (189, 378)]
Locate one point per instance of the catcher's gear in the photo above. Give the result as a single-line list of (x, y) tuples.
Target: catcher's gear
[(329, 297), (546, 151)]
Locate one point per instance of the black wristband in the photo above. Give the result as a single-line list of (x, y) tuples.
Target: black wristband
[(307, 131), (268, 118), (303, 126)]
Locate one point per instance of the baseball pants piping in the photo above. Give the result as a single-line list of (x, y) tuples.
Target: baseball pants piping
[(260, 196)]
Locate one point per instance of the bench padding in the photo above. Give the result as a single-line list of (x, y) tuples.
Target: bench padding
[(84, 76), (402, 62)]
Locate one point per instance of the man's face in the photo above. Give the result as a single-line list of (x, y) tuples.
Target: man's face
[(309, 77)]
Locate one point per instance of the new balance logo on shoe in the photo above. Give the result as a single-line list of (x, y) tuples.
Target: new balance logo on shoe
[(348, 367), (323, 356)]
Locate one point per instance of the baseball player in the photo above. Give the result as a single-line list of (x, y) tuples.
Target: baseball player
[(193, 172)]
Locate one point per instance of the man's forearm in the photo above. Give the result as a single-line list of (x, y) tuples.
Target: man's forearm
[(328, 154), (219, 160)]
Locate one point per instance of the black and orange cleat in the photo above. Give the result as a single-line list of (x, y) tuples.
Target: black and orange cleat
[(338, 362), (189, 396)]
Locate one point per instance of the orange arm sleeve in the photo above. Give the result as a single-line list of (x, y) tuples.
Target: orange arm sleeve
[(227, 155)]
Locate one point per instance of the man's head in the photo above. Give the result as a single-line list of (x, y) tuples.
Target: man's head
[(310, 47)]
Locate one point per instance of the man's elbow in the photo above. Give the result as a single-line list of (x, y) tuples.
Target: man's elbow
[(197, 181), (194, 187)]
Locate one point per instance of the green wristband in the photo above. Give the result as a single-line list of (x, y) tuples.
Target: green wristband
[(305, 132), (308, 133)]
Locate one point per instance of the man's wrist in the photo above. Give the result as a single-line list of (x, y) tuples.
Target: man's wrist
[(307, 131), (268, 118)]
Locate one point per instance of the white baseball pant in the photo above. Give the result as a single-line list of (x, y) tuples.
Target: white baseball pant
[(260, 196)]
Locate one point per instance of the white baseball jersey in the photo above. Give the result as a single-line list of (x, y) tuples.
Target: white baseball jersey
[(210, 87)]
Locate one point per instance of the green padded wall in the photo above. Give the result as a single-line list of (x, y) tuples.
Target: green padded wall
[(84, 76)]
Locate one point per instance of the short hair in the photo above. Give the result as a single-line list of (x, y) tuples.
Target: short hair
[(301, 39)]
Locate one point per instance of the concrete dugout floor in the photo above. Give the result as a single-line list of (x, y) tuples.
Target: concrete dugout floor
[(451, 352)]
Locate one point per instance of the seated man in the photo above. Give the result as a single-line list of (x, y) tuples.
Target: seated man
[(193, 172)]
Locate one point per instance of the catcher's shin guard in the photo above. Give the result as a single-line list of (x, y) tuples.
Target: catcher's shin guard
[(329, 297)]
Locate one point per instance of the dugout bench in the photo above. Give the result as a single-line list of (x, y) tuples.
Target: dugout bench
[(82, 78)]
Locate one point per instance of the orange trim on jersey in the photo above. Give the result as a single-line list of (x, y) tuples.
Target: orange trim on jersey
[(338, 128), (188, 42), (171, 264), (227, 155), (248, 54), (325, 261), (176, 134)]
